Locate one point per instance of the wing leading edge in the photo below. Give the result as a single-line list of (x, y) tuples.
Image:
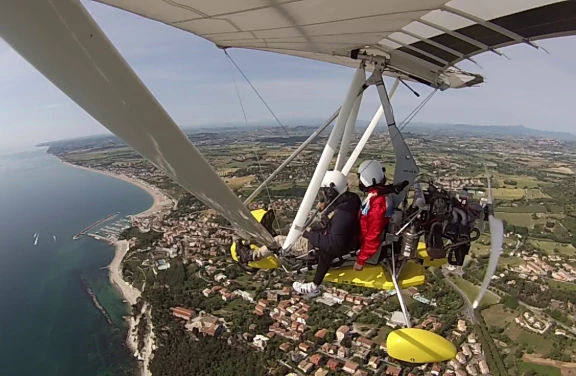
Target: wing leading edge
[(62, 41)]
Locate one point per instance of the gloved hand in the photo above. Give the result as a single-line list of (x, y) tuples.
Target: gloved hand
[(399, 187)]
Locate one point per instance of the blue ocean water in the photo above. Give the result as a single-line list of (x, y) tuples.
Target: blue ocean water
[(49, 324)]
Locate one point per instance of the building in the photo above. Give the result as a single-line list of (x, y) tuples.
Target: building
[(471, 369), (321, 372), (305, 347), (360, 372), (305, 366), (260, 341), (183, 313), (162, 264), (350, 367), (364, 342), (374, 362), (435, 371), (343, 352), (321, 333), (285, 347), (484, 367), (342, 332), (397, 319), (393, 371), (333, 364), (316, 359)]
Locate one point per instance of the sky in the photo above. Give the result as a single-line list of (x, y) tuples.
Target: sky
[(193, 80)]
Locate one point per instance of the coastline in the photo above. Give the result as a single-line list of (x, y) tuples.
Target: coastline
[(130, 293), (160, 199)]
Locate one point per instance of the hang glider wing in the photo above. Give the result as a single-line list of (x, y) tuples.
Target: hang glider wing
[(61, 40), (422, 39)]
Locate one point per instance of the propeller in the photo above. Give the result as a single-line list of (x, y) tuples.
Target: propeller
[(496, 242)]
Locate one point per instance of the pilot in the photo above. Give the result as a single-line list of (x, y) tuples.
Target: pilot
[(335, 235), (376, 208)]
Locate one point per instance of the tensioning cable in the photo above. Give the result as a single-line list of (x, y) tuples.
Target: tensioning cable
[(256, 91), (255, 152)]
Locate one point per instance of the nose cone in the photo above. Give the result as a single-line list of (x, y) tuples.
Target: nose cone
[(419, 346)]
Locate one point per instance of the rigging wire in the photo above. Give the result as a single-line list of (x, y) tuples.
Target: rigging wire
[(255, 152), (256, 91), (268, 192)]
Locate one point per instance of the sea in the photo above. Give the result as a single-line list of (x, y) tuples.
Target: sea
[(49, 324)]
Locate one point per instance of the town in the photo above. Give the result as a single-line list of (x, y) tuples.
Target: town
[(183, 251)]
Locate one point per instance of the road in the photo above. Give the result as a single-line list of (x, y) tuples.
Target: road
[(467, 301)]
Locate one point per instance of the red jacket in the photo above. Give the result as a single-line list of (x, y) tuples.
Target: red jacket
[(372, 223)]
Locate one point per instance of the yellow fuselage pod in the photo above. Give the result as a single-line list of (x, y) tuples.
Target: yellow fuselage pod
[(377, 277), (419, 346)]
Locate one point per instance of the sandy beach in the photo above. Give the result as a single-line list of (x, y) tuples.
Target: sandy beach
[(130, 293)]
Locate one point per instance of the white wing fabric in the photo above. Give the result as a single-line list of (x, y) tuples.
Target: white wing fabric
[(422, 38), (61, 40)]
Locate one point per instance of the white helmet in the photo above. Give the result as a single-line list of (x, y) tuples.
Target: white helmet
[(370, 173), (335, 180)]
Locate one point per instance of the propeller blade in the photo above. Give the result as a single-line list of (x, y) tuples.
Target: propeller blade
[(62, 41), (496, 243)]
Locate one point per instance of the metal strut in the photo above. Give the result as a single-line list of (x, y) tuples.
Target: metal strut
[(406, 167), (358, 83), (394, 275)]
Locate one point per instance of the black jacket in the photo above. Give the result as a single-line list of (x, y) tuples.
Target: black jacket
[(340, 233)]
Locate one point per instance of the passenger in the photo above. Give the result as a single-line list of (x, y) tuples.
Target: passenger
[(335, 235), (376, 210)]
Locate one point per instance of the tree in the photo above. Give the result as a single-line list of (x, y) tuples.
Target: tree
[(346, 342)]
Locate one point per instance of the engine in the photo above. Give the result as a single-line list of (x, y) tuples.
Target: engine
[(448, 223)]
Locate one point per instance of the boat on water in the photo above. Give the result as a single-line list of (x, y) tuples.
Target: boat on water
[(36, 240), (54, 237)]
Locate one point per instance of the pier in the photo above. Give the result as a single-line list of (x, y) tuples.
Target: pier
[(83, 232)]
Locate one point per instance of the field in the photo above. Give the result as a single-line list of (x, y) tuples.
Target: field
[(496, 316), (561, 170), (549, 246), (538, 343), (522, 181), (508, 193), (510, 261), (239, 182), (521, 209), (563, 285), (535, 194), (541, 370), (522, 219), (471, 291)]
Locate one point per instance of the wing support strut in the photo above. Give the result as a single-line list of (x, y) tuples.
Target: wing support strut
[(406, 167), (357, 85), (292, 156), (348, 133), (367, 133)]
